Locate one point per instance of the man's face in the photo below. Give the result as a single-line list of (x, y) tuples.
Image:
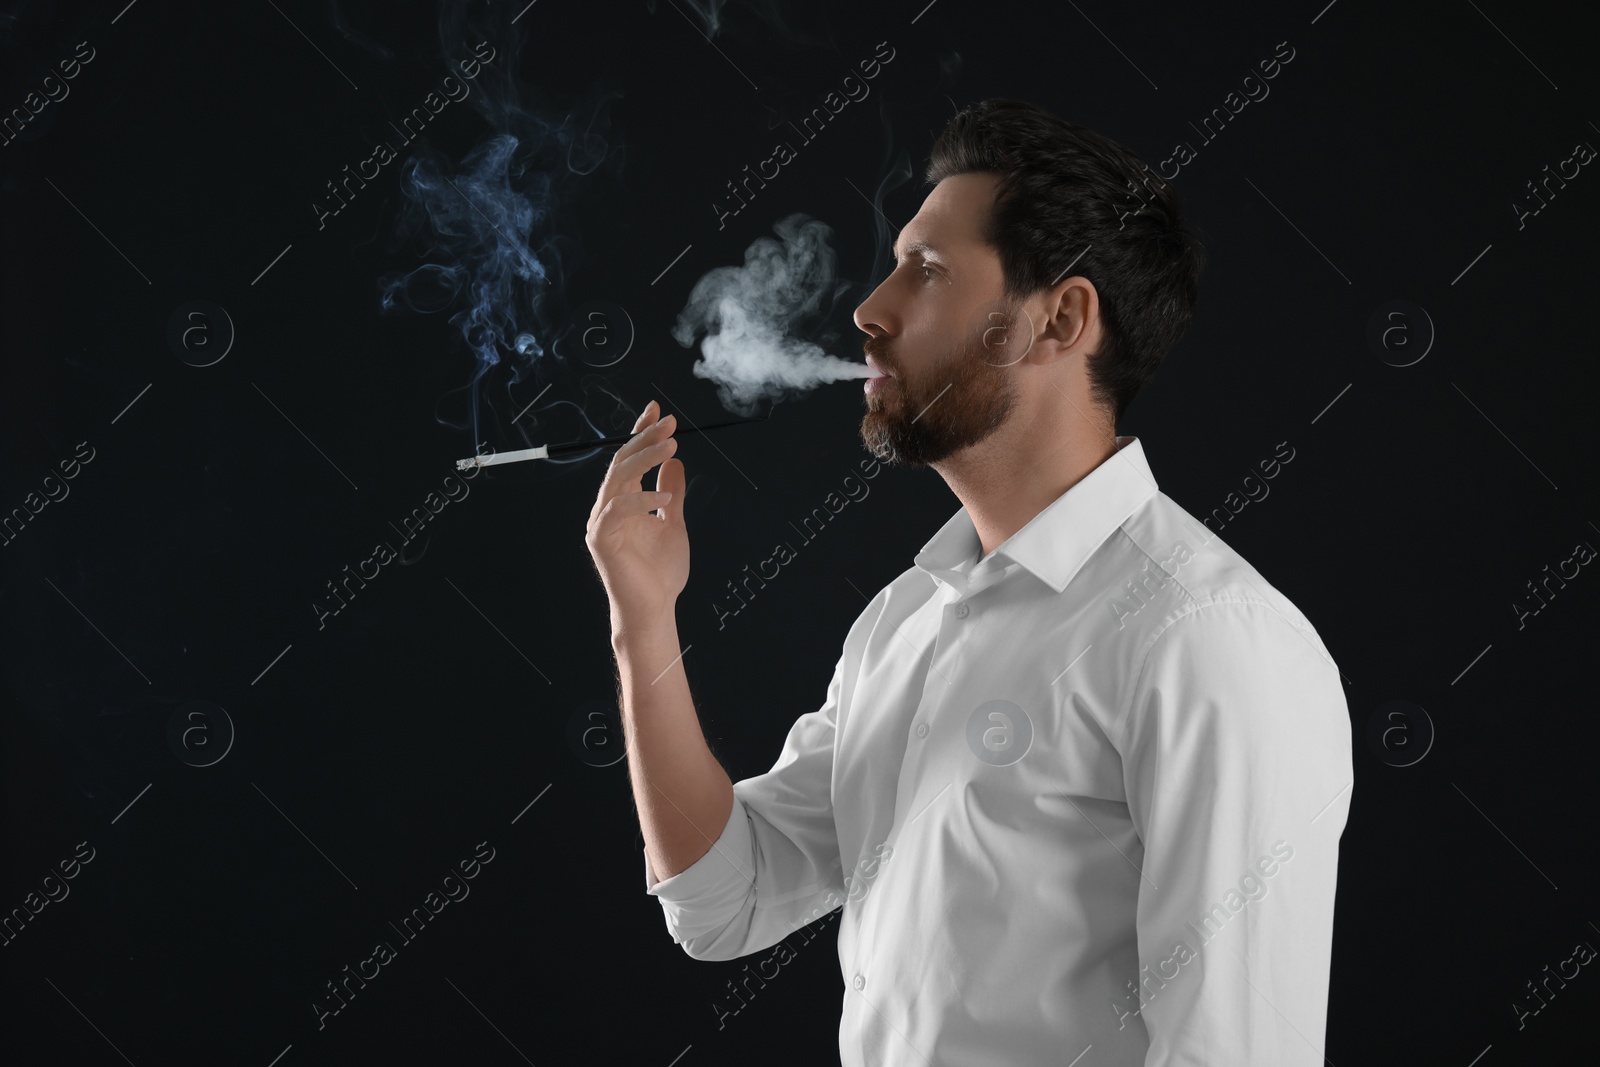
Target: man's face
[(940, 327)]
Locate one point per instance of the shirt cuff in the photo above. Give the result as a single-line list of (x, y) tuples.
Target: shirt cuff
[(728, 863)]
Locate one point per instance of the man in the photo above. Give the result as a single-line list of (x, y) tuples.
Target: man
[(1081, 772)]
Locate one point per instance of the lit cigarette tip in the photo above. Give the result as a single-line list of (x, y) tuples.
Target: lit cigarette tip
[(574, 447), (541, 452)]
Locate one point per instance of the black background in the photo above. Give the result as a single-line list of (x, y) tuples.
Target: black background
[(425, 717)]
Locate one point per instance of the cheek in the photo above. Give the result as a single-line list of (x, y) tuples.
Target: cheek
[(938, 336)]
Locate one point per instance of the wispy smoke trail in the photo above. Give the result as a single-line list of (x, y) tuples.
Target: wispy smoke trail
[(492, 223), (481, 226), (354, 36), (894, 176), (749, 315), (780, 31)]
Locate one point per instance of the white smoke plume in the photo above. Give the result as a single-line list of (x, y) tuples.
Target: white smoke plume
[(749, 314)]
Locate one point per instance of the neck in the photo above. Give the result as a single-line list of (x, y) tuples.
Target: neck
[(1023, 467)]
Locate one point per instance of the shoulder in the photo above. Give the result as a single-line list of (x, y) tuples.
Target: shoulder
[(1213, 590), (1218, 633), (908, 591), (1213, 634)]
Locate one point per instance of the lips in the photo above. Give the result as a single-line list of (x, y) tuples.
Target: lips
[(875, 365)]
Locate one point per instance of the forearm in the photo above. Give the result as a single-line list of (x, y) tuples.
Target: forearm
[(682, 793)]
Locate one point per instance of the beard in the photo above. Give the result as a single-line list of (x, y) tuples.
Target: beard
[(920, 417)]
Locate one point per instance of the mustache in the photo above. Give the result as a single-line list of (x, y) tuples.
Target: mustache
[(878, 349)]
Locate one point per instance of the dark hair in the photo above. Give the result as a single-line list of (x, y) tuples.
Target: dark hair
[(1063, 186)]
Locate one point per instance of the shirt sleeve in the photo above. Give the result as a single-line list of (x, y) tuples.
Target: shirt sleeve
[(1237, 766), (776, 865)]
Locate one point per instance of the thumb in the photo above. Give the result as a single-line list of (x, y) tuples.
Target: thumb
[(670, 479)]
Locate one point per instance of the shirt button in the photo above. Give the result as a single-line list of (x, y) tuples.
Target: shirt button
[(962, 610), (922, 729), (860, 982)]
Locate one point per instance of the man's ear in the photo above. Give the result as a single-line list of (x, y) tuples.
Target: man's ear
[(1071, 315)]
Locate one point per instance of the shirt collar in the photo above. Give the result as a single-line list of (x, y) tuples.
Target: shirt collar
[(1054, 544)]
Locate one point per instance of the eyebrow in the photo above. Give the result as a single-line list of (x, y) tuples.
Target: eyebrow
[(916, 248)]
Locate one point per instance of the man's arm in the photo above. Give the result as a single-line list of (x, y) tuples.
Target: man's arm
[(1237, 764), (775, 866), (682, 793), (640, 548), (736, 867)]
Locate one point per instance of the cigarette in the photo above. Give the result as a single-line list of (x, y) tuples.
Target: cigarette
[(571, 447)]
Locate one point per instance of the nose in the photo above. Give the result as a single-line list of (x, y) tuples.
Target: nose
[(873, 315)]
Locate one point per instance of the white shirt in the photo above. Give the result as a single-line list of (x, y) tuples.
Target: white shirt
[(1081, 797)]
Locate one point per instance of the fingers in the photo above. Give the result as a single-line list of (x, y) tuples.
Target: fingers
[(626, 467), (646, 417), (620, 508), (623, 474), (669, 479), (630, 470)]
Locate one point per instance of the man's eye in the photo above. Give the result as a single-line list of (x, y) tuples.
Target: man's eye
[(928, 272)]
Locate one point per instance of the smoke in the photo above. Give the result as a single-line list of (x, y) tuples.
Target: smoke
[(354, 36), (779, 31), (750, 314), (949, 67), (895, 175), (492, 225), (710, 12), (481, 222)]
